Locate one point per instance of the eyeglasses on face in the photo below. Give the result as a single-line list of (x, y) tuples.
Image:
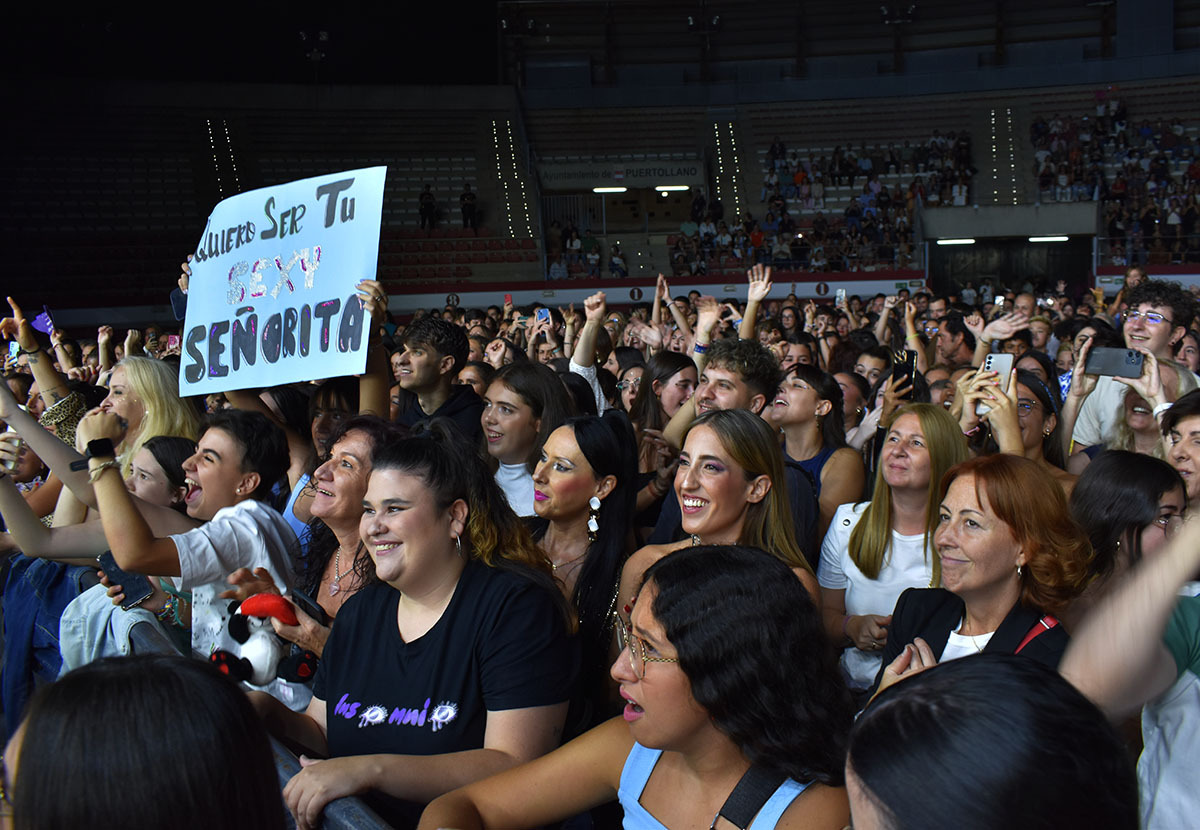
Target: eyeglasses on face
[(635, 647), (1152, 317)]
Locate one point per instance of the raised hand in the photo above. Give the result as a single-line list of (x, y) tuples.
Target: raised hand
[(1149, 384), (1082, 383), (185, 274), (375, 301), (17, 328), (759, 277), (1004, 327), (594, 308), (974, 324), (708, 312)]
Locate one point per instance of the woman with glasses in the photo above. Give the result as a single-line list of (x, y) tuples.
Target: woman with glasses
[(1024, 421), (1129, 504), (726, 679), (1012, 559), (454, 665)]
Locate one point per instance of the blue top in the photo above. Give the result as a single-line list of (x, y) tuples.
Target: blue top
[(814, 465), (298, 527), (636, 773)]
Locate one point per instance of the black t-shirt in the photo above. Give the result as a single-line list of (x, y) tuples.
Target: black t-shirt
[(500, 644)]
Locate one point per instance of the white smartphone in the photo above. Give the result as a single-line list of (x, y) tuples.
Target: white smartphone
[(996, 362)]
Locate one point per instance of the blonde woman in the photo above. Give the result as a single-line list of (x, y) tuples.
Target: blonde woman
[(875, 550)]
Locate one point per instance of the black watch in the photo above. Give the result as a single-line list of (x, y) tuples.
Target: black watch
[(100, 448)]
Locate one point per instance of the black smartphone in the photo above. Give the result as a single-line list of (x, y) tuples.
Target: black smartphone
[(309, 606), (136, 587), (1119, 363), (904, 368)]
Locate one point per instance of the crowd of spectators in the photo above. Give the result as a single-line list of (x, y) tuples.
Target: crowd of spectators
[(1146, 175), (773, 512), (573, 253)]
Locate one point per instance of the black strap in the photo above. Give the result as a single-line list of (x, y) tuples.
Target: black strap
[(749, 796)]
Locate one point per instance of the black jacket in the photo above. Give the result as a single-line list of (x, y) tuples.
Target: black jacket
[(463, 407), (932, 613)]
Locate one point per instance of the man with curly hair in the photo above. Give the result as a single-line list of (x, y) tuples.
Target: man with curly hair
[(1158, 315)]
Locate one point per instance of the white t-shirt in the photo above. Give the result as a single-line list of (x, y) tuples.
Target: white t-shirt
[(961, 645), (248, 535), (906, 565), (517, 484)]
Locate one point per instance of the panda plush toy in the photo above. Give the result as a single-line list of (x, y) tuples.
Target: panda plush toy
[(264, 655)]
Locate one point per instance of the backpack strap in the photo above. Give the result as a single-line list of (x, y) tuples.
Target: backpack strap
[(749, 796), (1044, 624)]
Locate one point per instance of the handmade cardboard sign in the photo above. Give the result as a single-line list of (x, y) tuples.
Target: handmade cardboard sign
[(272, 295)]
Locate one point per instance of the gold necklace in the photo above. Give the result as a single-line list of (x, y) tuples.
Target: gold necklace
[(554, 567)]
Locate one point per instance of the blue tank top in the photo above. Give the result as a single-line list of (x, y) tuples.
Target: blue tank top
[(298, 527), (814, 465), (636, 773)]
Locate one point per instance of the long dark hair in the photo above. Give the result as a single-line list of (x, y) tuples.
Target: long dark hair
[(646, 410), (1115, 499), (608, 444), (170, 451), (542, 391), (319, 540), (108, 738), (752, 644), (833, 427), (992, 742), (1052, 444)]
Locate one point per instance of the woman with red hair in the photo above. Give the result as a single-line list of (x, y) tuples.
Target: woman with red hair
[(1012, 558)]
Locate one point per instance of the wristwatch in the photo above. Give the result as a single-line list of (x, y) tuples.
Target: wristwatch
[(100, 448)]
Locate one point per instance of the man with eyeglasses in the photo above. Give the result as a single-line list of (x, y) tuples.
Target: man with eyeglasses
[(1159, 314)]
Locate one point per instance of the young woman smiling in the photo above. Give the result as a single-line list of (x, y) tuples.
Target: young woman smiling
[(719, 640), (584, 489), (523, 405), (730, 486), (808, 411), (472, 670)]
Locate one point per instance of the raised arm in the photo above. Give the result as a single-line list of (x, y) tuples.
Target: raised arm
[(130, 538), (882, 334), (375, 382), (912, 339), (594, 309), (758, 290), (57, 455), (1082, 385), (51, 384), (1117, 657)]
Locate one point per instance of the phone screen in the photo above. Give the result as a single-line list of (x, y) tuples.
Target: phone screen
[(172, 341), (14, 348)]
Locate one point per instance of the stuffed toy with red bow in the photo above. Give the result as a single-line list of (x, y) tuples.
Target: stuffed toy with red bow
[(264, 655)]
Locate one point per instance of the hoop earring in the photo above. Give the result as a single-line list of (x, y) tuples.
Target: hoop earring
[(1018, 571), (593, 524), (458, 545)]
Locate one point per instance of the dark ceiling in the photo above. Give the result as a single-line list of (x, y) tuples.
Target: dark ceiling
[(430, 43)]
